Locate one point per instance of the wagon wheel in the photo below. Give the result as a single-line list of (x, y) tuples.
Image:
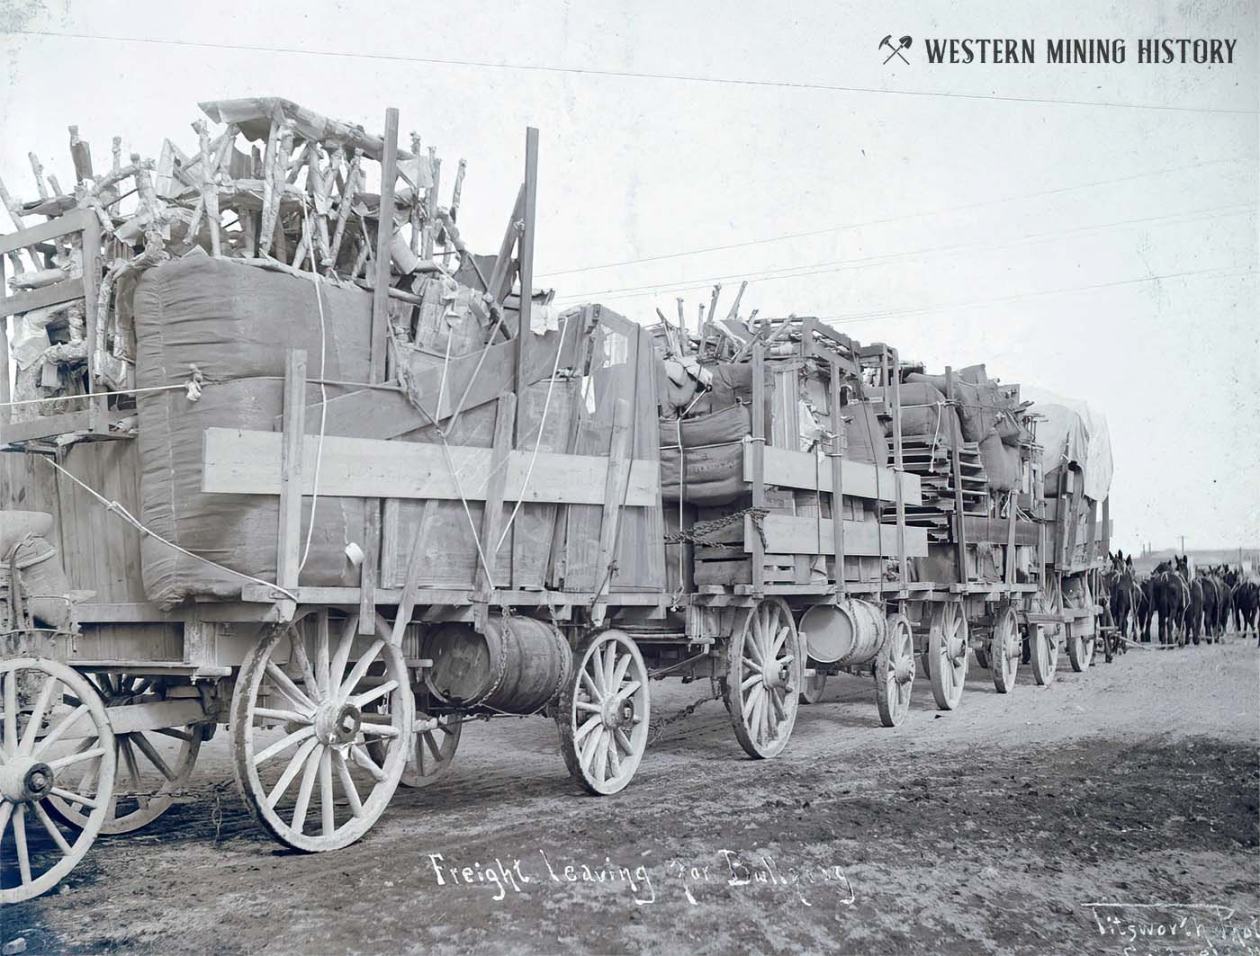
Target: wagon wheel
[(319, 698), (155, 765), (894, 671), (43, 703), (763, 679), (982, 657), (431, 757), (1080, 646), (812, 688), (1080, 649), (603, 712), (1005, 648), (947, 653), (1044, 653)]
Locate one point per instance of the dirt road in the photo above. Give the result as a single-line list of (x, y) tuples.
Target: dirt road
[(988, 830)]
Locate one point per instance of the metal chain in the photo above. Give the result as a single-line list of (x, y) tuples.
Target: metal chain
[(714, 694), (703, 528)]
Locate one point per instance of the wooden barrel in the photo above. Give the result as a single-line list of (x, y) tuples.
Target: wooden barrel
[(516, 665), (850, 632)]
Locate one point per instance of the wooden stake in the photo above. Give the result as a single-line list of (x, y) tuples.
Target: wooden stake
[(209, 187), (384, 236), (344, 204), (81, 153), (38, 169), (527, 255)]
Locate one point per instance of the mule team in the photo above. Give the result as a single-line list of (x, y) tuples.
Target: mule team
[(1186, 606)]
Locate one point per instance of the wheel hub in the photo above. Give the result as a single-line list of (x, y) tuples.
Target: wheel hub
[(337, 724), (25, 780), (617, 714)]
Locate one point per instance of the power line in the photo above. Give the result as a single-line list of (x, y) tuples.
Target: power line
[(631, 74), (853, 318), (899, 218), (840, 265)]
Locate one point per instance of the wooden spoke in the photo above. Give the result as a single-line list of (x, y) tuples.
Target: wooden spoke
[(282, 716), (306, 788), (347, 784), (76, 758), (323, 663), (10, 740), (360, 756), (142, 744), (71, 797), (183, 735), (314, 679), (27, 743), (283, 683), (345, 644), (54, 735), (19, 839), (291, 770), (360, 669), (284, 744), (133, 770), (327, 816), (376, 693), (57, 836)]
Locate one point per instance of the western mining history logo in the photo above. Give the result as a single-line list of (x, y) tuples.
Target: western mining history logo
[(1206, 51)]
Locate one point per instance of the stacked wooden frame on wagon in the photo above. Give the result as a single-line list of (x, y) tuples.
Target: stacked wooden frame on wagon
[(505, 528)]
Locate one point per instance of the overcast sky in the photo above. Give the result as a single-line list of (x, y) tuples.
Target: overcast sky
[(1098, 246)]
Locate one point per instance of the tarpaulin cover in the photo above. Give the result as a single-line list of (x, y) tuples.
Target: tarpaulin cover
[(1073, 432), (235, 323), (711, 456)]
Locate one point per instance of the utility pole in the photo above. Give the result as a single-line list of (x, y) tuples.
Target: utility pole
[(1183, 544)]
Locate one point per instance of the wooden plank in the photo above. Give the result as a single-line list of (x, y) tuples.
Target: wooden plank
[(384, 236), (836, 473), (292, 460), (799, 469), (245, 462), (98, 407), (790, 534), (758, 449), (995, 530), (6, 388), (523, 333), (72, 221), (371, 562), (492, 517), (615, 492), (67, 290), (48, 426)]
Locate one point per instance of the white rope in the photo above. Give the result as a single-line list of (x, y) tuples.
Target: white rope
[(71, 398), (323, 389), (529, 474), (117, 508)]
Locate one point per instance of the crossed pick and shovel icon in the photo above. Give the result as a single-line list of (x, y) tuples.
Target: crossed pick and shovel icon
[(902, 44)]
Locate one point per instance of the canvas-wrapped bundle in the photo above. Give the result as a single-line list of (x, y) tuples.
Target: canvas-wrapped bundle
[(235, 325), (702, 458)]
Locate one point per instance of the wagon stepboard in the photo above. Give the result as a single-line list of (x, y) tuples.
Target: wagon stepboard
[(284, 456)]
